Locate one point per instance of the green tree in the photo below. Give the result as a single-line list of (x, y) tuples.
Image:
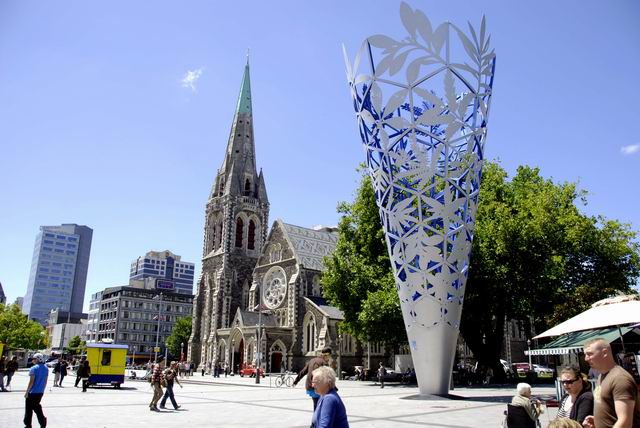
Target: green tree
[(180, 334), (76, 345), (17, 331), (358, 278), (537, 259)]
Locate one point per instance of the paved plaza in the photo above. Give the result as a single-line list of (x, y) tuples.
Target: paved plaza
[(238, 402)]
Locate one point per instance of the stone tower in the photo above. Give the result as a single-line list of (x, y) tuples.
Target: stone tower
[(236, 223)]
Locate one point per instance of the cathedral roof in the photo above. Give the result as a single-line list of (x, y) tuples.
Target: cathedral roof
[(331, 311), (249, 318), (310, 246)]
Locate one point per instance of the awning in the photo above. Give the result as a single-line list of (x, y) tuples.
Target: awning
[(573, 343), (600, 315)]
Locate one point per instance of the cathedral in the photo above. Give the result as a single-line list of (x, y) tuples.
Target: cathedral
[(259, 299)]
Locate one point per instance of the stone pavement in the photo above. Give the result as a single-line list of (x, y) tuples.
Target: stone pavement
[(238, 402)]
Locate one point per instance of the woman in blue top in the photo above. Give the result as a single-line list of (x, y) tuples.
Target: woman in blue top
[(330, 412)]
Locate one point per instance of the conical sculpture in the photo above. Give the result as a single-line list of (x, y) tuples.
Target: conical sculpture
[(422, 105)]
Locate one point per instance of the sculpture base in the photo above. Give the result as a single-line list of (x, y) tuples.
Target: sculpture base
[(432, 351)]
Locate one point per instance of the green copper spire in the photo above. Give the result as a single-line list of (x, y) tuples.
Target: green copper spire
[(244, 100)]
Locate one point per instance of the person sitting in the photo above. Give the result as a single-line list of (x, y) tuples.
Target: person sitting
[(577, 403), (523, 399)]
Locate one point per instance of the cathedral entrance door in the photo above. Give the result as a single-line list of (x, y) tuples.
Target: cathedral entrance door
[(240, 360), (276, 362)]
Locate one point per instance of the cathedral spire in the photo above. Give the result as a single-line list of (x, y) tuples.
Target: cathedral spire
[(237, 174), (244, 99)]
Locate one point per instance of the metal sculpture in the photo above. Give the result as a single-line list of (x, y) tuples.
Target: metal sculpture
[(422, 118)]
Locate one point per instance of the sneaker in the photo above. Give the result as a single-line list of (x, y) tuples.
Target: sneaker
[(162, 407), (178, 406)]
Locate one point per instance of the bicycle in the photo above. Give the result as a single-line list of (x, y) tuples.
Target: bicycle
[(284, 379)]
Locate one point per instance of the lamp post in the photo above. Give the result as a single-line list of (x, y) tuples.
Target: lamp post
[(155, 349), (259, 336), (339, 356), (529, 352), (181, 351)]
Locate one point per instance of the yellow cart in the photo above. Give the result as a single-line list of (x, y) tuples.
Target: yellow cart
[(107, 362)]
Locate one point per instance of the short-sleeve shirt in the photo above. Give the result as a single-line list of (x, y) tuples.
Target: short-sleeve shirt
[(40, 373), (616, 384)]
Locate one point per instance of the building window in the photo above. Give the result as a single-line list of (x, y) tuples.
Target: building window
[(309, 329), (252, 235), (247, 187), (239, 227)]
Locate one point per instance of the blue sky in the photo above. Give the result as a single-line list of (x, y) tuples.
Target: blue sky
[(99, 126)]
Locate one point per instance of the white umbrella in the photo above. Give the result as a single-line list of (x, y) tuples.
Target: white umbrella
[(615, 311)]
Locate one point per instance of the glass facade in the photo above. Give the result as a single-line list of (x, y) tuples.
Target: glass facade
[(167, 267), (58, 275)]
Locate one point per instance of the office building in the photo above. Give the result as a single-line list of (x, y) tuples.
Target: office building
[(131, 315), (58, 271), (169, 271)]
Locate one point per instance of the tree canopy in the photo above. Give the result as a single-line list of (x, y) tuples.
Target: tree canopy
[(535, 258), (358, 278), (180, 334), (17, 331), (76, 345)]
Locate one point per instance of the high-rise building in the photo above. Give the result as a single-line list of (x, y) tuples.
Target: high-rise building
[(170, 272), (58, 271), (3, 298), (19, 301)]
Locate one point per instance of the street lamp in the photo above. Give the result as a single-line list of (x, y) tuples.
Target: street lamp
[(529, 352), (181, 351), (155, 350), (259, 335), (339, 356)]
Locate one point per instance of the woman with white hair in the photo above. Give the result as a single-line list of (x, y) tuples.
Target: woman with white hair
[(330, 411), (523, 399)]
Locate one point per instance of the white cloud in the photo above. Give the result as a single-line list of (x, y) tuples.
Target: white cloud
[(190, 78), (630, 150)]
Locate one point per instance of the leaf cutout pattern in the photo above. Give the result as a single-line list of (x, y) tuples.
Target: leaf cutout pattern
[(424, 146)]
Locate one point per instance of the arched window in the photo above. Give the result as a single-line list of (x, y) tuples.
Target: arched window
[(275, 253), (309, 334), (247, 187), (252, 235), (219, 235), (239, 227), (221, 189)]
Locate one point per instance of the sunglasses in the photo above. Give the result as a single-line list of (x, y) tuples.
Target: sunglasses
[(569, 382)]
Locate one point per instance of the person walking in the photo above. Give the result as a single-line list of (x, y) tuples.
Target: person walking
[(381, 373), (617, 402), (312, 364), (63, 371), (84, 372), (78, 378), (12, 367), (330, 411), (56, 373), (3, 369), (170, 375), (38, 375), (157, 380)]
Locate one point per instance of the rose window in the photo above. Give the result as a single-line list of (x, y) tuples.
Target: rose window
[(275, 287)]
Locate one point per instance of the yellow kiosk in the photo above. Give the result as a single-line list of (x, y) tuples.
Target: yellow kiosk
[(107, 362)]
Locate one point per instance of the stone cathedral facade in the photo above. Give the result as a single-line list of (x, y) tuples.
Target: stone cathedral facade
[(259, 297)]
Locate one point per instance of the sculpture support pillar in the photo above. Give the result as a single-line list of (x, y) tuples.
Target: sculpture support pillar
[(422, 104)]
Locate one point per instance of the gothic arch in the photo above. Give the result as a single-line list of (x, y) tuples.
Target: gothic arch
[(253, 233), (309, 333), (277, 357)]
